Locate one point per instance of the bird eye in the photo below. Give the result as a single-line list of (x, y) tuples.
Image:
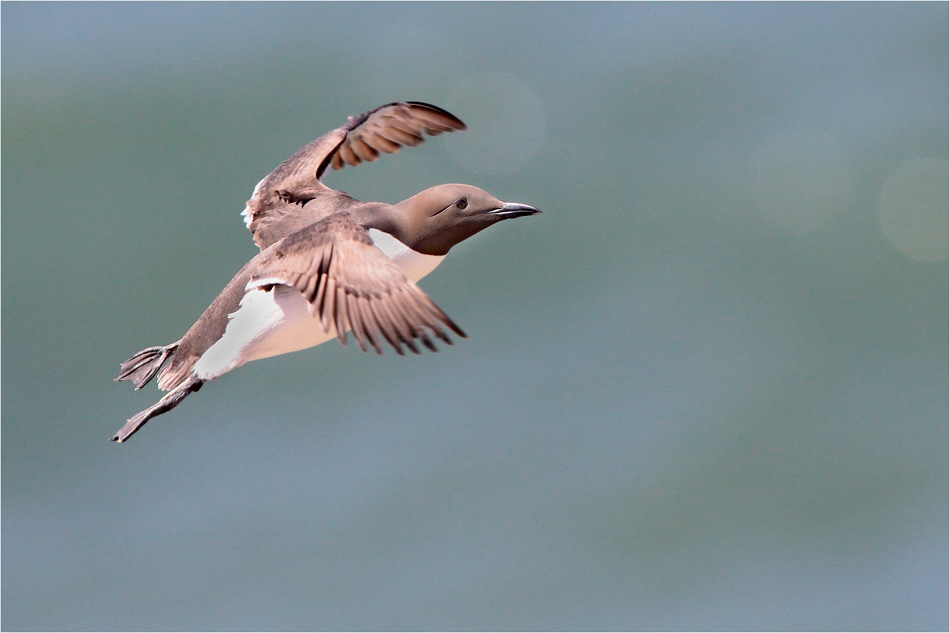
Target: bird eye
[(461, 203)]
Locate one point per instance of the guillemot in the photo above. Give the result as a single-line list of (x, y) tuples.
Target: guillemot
[(329, 264)]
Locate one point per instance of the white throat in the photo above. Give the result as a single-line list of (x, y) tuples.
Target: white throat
[(415, 265)]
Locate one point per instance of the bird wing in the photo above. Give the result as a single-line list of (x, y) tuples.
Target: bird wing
[(350, 284), (296, 181)]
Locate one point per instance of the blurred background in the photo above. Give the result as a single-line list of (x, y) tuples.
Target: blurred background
[(707, 389)]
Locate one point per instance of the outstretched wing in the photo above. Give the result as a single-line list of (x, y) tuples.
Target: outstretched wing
[(386, 129), (351, 285)]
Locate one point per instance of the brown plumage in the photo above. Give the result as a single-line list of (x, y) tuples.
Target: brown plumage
[(352, 264), (276, 208), (351, 284)]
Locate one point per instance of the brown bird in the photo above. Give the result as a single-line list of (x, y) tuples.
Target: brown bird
[(328, 264)]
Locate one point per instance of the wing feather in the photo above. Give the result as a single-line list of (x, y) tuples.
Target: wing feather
[(286, 191), (350, 284)]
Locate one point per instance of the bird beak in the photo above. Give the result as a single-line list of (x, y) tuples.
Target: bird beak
[(514, 210)]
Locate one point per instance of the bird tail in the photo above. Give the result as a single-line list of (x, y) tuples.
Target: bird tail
[(166, 404), (143, 366)]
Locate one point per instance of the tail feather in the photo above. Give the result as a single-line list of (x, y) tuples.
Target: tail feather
[(143, 366), (166, 404)]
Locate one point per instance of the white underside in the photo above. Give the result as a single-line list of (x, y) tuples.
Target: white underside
[(278, 321)]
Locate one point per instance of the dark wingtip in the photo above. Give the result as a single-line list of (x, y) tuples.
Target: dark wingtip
[(455, 328), (457, 122)]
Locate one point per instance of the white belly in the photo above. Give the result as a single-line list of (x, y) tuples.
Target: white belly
[(269, 323)]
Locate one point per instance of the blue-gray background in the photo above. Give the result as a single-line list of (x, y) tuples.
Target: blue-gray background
[(706, 389)]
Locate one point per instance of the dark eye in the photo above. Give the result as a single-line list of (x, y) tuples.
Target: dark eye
[(461, 203)]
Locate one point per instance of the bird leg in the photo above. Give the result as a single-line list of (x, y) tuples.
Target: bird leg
[(169, 402)]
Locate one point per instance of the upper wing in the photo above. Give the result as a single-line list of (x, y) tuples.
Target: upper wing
[(351, 284), (385, 129), (388, 128)]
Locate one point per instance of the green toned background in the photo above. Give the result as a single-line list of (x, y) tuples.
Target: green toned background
[(706, 389)]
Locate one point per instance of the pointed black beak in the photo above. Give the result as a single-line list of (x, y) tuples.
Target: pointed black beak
[(514, 210)]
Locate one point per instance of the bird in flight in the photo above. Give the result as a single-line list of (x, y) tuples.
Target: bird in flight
[(329, 264)]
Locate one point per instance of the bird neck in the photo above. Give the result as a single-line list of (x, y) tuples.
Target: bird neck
[(378, 215)]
